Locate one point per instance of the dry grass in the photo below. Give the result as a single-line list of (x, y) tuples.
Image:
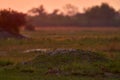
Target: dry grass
[(104, 41)]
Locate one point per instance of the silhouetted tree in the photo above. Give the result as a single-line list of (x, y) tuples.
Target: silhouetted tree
[(39, 11), (55, 12), (11, 21), (70, 9), (103, 14)]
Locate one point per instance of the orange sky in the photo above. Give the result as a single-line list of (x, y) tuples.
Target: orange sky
[(25, 5)]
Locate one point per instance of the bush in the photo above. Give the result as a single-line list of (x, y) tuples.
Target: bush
[(11, 21), (28, 70), (5, 63)]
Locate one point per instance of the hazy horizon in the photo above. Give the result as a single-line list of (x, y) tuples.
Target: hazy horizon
[(50, 5)]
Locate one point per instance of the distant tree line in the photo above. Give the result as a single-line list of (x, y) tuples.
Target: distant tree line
[(103, 15)]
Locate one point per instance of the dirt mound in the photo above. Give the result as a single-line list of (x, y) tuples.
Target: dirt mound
[(6, 35), (70, 62), (66, 55)]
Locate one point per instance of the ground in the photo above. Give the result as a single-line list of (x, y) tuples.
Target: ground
[(100, 45)]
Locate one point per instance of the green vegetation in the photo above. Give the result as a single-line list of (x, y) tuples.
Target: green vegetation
[(77, 66), (101, 39), (98, 56), (5, 63)]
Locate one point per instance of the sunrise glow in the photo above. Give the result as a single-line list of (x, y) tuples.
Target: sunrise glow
[(50, 5)]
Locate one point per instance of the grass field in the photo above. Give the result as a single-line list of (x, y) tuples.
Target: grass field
[(102, 63)]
